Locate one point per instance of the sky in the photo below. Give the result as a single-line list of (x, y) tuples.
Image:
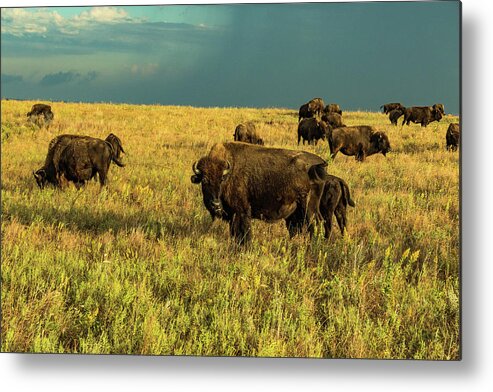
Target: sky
[(359, 55)]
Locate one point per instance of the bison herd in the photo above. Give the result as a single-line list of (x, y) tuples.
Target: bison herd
[(244, 180)]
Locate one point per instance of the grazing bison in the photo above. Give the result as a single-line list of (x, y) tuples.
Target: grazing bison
[(312, 130), (84, 157), (453, 137), (334, 201), (333, 119), (422, 114), (360, 141), (394, 115), (387, 108), (333, 108), (241, 182), (248, 134), (50, 172), (39, 109)]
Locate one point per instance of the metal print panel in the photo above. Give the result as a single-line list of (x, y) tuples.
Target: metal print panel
[(259, 180)]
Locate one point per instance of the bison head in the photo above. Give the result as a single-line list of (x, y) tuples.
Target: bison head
[(211, 173), (437, 114), (40, 176), (440, 108), (381, 142)]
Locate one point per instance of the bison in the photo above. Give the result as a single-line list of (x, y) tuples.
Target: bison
[(312, 130), (423, 114), (360, 141), (311, 109), (242, 181), (334, 201), (333, 108), (248, 134), (39, 109), (387, 108), (333, 119), (395, 114), (453, 137), (50, 171), (84, 157)]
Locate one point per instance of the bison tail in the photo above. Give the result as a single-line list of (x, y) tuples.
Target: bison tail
[(317, 172), (118, 162), (346, 194)]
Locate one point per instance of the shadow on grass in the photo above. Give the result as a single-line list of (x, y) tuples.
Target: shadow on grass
[(98, 222)]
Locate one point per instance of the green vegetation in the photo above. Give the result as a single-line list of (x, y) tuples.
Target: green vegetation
[(139, 268)]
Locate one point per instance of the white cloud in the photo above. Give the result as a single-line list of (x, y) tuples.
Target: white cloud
[(18, 21)]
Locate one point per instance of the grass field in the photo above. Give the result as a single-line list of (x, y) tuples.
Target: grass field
[(139, 268)]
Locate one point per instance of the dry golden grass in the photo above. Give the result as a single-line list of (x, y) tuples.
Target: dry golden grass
[(139, 268)]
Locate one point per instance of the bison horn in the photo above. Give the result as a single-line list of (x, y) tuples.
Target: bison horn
[(228, 168), (194, 168)]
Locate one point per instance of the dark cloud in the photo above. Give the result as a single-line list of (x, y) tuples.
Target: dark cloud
[(6, 78), (67, 77)]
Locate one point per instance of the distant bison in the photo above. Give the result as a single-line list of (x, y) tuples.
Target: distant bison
[(360, 141), (241, 182), (394, 115), (453, 137), (333, 119), (39, 109), (423, 114), (387, 108), (248, 134), (333, 108), (311, 109), (334, 201), (312, 130)]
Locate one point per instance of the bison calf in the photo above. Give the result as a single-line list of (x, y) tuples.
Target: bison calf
[(312, 130), (248, 134), (453, 137), (360, 141), (334, 201)]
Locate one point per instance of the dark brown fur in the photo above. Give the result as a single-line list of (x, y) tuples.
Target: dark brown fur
[(316, 106), (241, 182), (39, 109), (387, 108), (360, 141), (333, 108), (247, 133), (453, 137), (395, 114), (334, 201), (312, 130), (333, 119), (423, 114)]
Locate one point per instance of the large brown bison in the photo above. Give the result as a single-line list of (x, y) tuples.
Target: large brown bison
[(312, 130), (39, 109), (453, 137), (241, 182), (394, 115), (333, 119), (423, 114), (333, 108), (84, 157), (388, 107), (50, 172), (334, 201), (247, 133), (360, 141)]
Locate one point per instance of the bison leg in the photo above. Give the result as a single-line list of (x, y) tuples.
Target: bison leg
[(340, 213), (240, 228)]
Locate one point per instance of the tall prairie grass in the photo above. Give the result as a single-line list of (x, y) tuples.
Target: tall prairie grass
[(139, 268)]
